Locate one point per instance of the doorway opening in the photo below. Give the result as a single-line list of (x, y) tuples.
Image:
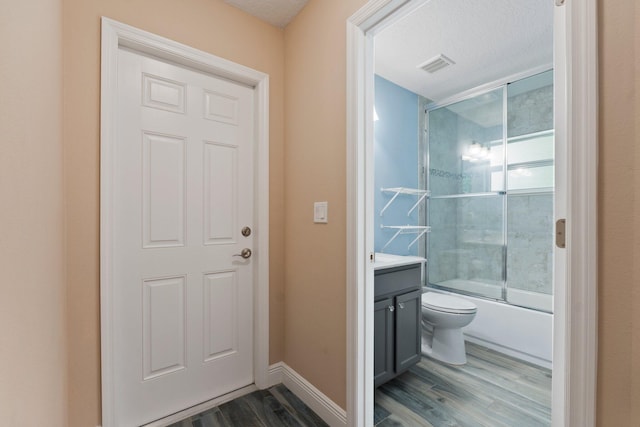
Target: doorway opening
[(574, 81)]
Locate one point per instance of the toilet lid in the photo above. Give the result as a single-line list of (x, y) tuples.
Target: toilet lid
[(447, 303)]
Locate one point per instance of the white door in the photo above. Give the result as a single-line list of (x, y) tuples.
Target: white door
[(183, 191)]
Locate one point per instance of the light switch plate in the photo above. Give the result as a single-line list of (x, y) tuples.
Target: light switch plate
[(321, 212)]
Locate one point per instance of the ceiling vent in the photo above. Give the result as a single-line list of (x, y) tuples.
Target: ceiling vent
[(436, 63)]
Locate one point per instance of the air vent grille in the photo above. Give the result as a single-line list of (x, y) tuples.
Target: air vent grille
[(436, 64)]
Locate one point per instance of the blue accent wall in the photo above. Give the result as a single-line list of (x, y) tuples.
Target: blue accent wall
[(396, 162)]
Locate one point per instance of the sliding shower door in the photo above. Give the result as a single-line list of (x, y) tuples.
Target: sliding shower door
[(530, 186), (466, 207), (491, 231)]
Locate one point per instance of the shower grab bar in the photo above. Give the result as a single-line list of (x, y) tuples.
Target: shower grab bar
[(404, 190), (421, 230)]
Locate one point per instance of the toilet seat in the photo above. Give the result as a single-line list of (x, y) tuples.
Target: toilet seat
[(447, 303)]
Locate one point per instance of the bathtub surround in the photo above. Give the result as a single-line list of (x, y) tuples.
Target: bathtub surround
[(529, 243), (530, 111)]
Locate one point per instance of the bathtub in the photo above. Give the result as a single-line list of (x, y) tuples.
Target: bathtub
[(518, 332)]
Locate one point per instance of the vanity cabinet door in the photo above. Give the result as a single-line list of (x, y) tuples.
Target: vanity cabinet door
[(408, 330), (383, 342)]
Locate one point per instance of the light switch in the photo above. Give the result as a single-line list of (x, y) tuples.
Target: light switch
[(320, 212)]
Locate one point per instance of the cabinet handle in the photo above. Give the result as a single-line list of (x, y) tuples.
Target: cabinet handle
[(391, 308), (401, 305)]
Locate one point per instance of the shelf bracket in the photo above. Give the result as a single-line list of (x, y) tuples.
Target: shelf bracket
[(405, 229), (389, 202), (401, 190), (417, 203), (417, 238)]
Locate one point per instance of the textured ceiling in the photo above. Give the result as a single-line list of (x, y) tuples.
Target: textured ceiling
[(275, 12), (487, 39)]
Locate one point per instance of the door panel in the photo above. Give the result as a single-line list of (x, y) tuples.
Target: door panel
[(408, 327), (163, 172), (163, 326), (383, 346), (220, 190), (220, 323), (183, 190)]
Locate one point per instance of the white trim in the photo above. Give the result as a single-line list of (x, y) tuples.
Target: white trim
[(359, 361), (322, 405), (114, 35), (580, 306), (275, 373), (575, 333)]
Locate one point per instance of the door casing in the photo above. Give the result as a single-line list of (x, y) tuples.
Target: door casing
[(114, 36), (575, 304)]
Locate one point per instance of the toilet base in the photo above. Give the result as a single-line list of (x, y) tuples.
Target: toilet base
[(445, 345)]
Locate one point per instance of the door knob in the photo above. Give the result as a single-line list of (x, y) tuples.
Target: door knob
[(245, 253)]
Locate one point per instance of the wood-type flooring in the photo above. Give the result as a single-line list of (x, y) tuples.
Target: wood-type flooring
[(276, 406), (491, 390)]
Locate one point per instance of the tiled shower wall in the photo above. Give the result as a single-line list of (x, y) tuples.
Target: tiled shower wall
[(530, 242), (464, 232), (530, 112)]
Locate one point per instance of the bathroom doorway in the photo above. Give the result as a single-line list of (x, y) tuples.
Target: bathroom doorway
[(573, 396)]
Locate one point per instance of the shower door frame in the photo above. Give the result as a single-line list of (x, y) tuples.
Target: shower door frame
[(424, 164), (575, 306)]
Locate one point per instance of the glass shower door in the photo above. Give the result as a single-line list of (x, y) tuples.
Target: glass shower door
[(530, 192), (466, 207)]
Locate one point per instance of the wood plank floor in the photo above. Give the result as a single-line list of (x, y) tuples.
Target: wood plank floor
[(274, 407), (491, 390)]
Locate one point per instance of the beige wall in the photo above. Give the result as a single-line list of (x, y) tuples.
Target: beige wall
[(635, 337), (32, 307), (315, 170), (32, 291), (619, 211), (212, 26)]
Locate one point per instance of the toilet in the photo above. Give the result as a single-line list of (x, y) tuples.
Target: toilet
[(443, 317)]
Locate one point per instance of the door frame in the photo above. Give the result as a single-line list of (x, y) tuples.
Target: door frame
[(114, 36), (575, 325)]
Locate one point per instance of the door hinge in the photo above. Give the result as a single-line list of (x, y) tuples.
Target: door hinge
[(560, 2), (561, 233)]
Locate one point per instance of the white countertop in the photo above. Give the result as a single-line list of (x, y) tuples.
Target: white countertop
[(382, 261)]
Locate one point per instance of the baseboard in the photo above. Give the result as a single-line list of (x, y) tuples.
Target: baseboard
[(326, 408), (275, 374), (279, 373)]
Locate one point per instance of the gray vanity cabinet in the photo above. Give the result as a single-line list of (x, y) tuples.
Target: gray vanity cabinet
[(397, 314), (384, 327)]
